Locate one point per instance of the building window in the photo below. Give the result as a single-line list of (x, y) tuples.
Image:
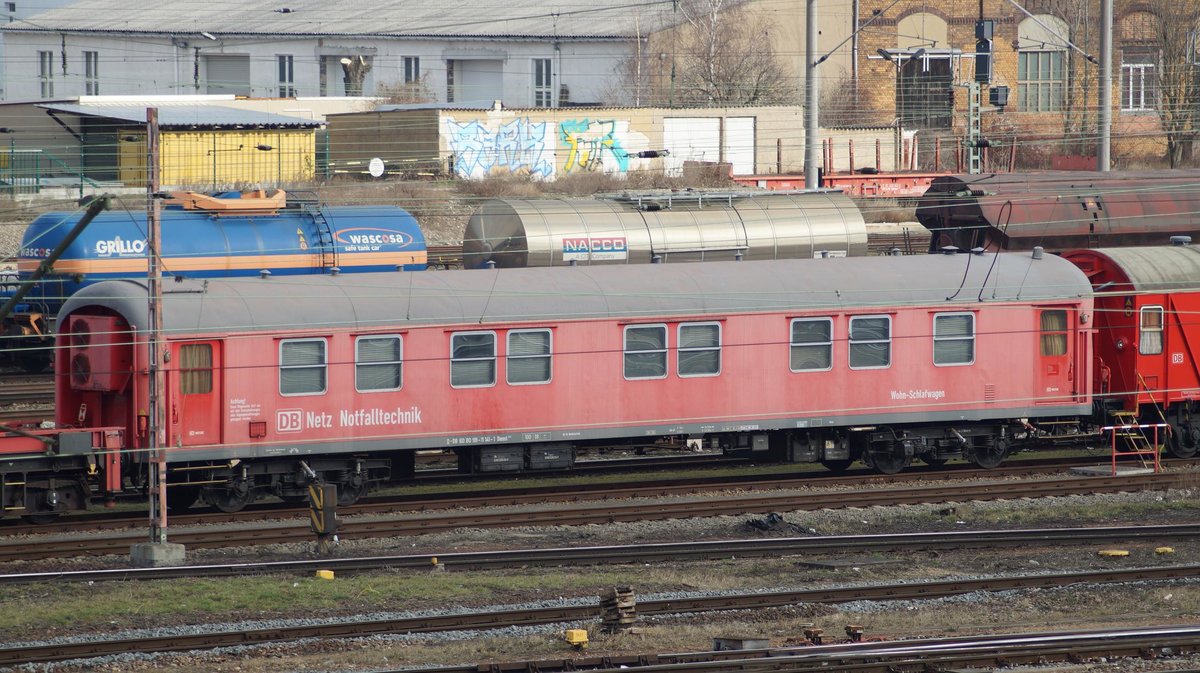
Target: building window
[(870, 342), (542, 88), (378, 363), (302, 367), (528, 356), (699, 349), (812, 344), (1040, 80), (412, 69), (1054, 333), (472, 359), (91, 73), (287, 75), (1150, 339), (46, 73), (954, 339), (646, 352), (450, 64), (195, 369), (1139, 83)]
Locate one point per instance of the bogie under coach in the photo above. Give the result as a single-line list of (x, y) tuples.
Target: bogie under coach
[(274, 382)]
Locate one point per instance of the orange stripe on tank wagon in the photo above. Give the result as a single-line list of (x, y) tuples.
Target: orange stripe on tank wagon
[(248, 262)]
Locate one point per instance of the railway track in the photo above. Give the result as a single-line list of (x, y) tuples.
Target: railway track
[(18, 654), (569, 512), (809, 547), (925, 654), (643, 486)]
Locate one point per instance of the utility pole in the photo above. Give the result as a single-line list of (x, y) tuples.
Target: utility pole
[(158, 552), (1103, 158), (811, 121)]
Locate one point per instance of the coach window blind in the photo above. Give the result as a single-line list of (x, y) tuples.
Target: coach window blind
[(528, 359), (195, 369), (646, 352), (700, 349), (870, 342), (377, 363), (812, 344), (472, 359), (953, 339), (1054, 333), (1150, 341), (302, 367)]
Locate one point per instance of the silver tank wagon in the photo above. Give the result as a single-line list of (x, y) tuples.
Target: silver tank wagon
[(674, 227)]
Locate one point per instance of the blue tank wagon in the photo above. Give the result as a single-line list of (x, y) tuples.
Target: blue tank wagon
[(204, 236)]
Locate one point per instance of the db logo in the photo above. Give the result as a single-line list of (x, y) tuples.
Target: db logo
[(289, 420)]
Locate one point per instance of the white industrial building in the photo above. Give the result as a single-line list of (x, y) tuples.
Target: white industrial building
[(524, 53)]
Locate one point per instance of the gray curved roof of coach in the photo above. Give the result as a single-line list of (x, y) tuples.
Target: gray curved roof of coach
[(1158, 268), (545, 294)]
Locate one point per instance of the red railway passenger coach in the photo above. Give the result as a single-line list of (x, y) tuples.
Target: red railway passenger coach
[(1148, 333), (273, 382)]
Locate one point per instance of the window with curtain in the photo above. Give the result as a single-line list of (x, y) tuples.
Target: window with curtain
[(953, 339), (870, 342), (812, 344), (646, 351), (195, 369), (286, 66), (378, 363), (528, 356), (1054, 333), (700, 349), (472, 359), (302, 367), (1150, 338)]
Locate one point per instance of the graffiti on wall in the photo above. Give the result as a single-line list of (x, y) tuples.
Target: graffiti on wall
[(518, 146), (592, 146)]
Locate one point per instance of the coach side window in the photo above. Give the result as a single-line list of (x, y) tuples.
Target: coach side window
[(954, 339), (1150, 341), (700, 349), (812, 344), (378, 362), (528, 356), (302, 364), (472, 359), (1054, 333), (645, 351), (870, 342)]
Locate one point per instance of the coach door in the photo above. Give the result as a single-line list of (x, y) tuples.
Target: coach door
[(1054, 359), (195, 405)]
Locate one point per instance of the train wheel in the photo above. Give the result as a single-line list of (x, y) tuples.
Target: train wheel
[(232, 498), (885, 458), (349, 492), (990, 453), (837, 465), (1184, 440), (181, 497)]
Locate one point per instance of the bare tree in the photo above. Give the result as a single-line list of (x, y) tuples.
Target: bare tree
[(416, 91), (718, 54), (1178, 78)]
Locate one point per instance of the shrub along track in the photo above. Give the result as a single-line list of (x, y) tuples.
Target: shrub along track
[(606, 512)]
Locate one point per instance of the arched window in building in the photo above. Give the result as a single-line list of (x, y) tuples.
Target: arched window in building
[(1041, 64), (924, 71)]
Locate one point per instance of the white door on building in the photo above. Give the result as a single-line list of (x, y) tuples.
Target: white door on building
[(690, 139), (739, 144)]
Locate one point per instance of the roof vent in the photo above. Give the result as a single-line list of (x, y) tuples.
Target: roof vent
[(949, 250), (1181, 240), (657, 259), (491, 264), (894, 252), (1038, 251), (976, 251), (264, 273), (737, 257), (334, 270)]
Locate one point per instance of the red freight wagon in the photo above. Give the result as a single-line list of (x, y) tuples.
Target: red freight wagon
[(271, 382), (1148, 334)]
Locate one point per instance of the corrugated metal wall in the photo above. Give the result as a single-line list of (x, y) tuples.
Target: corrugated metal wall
[(218, 159)]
